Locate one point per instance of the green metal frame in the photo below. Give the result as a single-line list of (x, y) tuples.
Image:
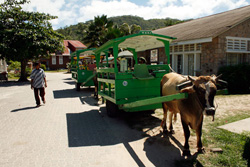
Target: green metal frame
[(123, 88), (81, 76)]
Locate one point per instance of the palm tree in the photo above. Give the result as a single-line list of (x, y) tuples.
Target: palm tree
[(127, 29), (101, 30), (97, 31)]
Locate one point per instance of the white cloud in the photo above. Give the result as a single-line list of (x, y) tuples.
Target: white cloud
[(111, 8), (46, 6), (74, 11)]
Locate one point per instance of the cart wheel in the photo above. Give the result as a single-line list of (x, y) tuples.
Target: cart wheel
[(112, 109), (78, 85)]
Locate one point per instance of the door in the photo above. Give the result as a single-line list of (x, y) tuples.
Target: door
[(179, 64), (190, 64)]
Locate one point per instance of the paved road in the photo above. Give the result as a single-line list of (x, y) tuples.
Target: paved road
[(73, 130)]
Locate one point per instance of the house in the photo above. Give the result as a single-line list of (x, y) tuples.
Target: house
[(59, 60), (204, 45)]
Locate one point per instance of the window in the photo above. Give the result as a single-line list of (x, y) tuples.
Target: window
[(176, 48), (236, 58), (60, 59), (186, 48), (171, 49), (236, 44), (53, 60), (198, 47), (154, 56), (180, 48)]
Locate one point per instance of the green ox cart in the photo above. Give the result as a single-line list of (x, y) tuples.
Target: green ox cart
[(82, 67), (128, 85)]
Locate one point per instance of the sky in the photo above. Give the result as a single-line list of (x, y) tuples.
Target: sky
[(71, 12)]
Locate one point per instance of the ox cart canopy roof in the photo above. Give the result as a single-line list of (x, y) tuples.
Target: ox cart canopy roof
[(144, 40)]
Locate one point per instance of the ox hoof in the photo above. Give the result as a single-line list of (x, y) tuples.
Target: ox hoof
[(186, 153), (201, 150), (171, 131), (165, 131)]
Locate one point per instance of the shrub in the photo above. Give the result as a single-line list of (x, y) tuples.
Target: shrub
[(14, 65), (43, 66), (28, 71), (238, 78)]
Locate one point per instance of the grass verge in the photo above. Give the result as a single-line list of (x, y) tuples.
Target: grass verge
[(236, 147), (12, 76), (54, 71)]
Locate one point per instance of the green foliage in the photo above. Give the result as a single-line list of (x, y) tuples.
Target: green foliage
[(238, 78), (75, 32), (14, 65), (170, 22), (126, 24), (26, 35), (246, 153), (43, 66), (28, 71), (100, 31), (144, 24)]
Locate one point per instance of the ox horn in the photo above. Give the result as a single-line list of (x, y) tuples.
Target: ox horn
[(220, 81), (219, 76), (191, 78)]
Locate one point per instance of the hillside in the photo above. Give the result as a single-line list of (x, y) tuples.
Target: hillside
[(150, 24), (76, 32)]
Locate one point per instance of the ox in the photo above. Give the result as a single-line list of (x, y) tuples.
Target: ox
[(200, 101)]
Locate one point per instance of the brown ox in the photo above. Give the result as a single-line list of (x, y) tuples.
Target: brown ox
[(200, 101)]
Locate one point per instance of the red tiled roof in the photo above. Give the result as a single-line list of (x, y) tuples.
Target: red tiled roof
[(66, 49), (76, 44), (68, 44)]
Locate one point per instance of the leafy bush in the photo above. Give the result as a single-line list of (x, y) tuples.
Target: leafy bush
[(14, 65), (28, 71), (238, 78), (43, 66), (246, 153)]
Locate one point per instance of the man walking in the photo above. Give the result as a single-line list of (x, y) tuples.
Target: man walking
[(38, 83)]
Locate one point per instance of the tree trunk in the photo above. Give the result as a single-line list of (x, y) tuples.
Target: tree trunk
[(23, 76)]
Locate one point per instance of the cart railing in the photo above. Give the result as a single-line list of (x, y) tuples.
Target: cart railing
[(155, 100)]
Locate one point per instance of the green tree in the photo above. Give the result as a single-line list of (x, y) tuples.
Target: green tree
[(125, 29), (100, 31), (135, 29), (26, 35)]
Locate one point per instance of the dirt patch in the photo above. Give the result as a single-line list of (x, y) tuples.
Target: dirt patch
[(150, 125), (232, 105)]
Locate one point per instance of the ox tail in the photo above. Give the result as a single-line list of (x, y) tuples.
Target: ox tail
[(161, 88), (161, 93)]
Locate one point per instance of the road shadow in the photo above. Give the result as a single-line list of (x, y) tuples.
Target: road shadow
[(13, 83), (161, 152), (91, 128), (95, 128), (67, 79), (70, 82), (86, 95), (23, 109)]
